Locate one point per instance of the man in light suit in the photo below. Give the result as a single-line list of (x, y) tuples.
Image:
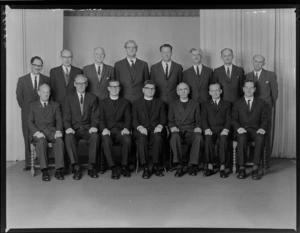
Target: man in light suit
[(267, 90), (216, 116), (99, 74), (62, 77), (167, 74), (185, 126), (230, 76), (198, 77), (250, 121), (81, 120), (27, 92), (131, 73), (45, 125), (149, 121), (115, 125)]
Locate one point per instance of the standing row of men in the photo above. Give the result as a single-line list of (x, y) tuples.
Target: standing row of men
[(131, 73)]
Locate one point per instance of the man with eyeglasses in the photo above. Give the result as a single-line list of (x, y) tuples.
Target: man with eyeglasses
[(62, 77), (99, 74), (131, 72), (149, 121), (81, 121), (185, 126), (27, 92), (115, 126)]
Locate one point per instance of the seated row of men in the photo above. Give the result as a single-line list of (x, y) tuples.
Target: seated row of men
[(83, 118)]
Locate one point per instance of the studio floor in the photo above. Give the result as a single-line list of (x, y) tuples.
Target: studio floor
[(158, 202)]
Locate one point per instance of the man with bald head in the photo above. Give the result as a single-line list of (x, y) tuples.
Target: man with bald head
[(198, 77), (62, 77), (99, 74), (267, 90)]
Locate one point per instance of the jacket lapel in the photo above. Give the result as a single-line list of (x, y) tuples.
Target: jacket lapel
[(85, 104), (29, 83), (201, 76), (171, 69), (104, 73)]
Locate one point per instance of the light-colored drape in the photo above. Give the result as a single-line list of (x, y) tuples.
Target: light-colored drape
[(271, 33), (28, 33)]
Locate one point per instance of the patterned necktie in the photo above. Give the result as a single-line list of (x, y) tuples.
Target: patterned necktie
[(197, 70), (67, 76), (256, 76), (35, 85), (228, 72), (99, 73), (167, 71), (249, 106)]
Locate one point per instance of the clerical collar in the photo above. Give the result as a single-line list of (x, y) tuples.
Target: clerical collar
[(148, 98), (184, 101), (114, 97)]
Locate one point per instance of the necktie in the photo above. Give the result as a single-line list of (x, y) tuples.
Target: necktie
[(67, 76), (132, 64), (249, 106), (216, 103), (197, 70), (228, 72), (256, 76), (99, 73), (35, 85), (167, 70), (132, 71), (81, 99), (45, 105)]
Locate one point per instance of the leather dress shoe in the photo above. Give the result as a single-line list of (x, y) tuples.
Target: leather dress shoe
[(242, 174), (92, 172), (157, 171), (114, 173), (46, 176), (125, 172), (223, 174), (146, 173), (77, 174), (255, 175), (179, 172), (59, 174), (26, 169), (192, 170), (208, 172)]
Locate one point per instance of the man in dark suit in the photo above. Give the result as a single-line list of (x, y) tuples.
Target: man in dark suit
[(99, 74), (198, 77), (115, 125), (167, 74), (250, 121), (62, 77), (149, 121), (230, 76), (131, 73), (185, 126), (26, 92), (45, 125), (216, 116), (81, 121), (267, 90)]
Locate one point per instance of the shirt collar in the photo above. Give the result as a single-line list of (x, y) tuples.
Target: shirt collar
[(230, 66), (129, 60), (218, 100), (96, 65), (79, 94), (258, 72), (114, 98), (247, 98), (64, 68), (164, 63), (147, 98), (33, 76), (44, 102)]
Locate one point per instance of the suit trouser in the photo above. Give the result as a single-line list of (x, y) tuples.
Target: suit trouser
[(25, 131), (210, 141), (107, 144), (143, 142), (195, 140), (242, 141), (41, 149), (71, 141)]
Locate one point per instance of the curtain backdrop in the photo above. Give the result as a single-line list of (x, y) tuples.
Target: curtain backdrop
[(29, 33), (270, 32)]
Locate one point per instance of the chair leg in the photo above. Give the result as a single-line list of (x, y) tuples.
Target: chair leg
[(32, 156), (234, 145)]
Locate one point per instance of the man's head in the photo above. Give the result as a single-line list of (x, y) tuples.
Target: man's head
[(258, 62), (149, 88), (36, 65), (66, 57), (196, 55), (249, 88), (183, 90), (166, 52), (227, 56), (44, 92), (99, 55), (215, 90), (114, 87), (131, 48), (80, 83)]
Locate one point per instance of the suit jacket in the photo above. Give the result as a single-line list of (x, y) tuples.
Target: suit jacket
[(233, 87), (25, 93), (99, 88), (115, 117), (141, 116), (257, 118), (132, 84), (184, 119), (72, 117), (44, 119), (59, 88), (198, 85), (166, 88), (216, 117), (266, 86)]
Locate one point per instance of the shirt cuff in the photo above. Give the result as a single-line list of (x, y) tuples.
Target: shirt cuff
[(139, 127)]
